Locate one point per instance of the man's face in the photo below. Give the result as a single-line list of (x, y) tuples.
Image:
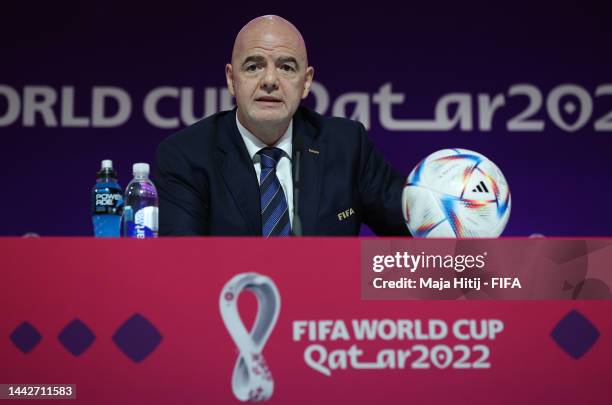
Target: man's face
[(268, 76)]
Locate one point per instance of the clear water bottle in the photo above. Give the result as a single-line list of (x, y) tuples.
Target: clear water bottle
[(106, 202), (140, 215)]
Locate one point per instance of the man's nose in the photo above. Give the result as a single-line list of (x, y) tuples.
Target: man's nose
[(269, 83)]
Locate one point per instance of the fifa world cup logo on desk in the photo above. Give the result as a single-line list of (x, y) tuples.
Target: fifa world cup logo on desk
[(251, 380)]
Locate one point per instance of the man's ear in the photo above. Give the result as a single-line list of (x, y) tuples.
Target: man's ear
[(308, 82), (229, 79)]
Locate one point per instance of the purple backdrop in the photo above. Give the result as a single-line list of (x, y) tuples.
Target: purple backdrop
[(545, 71)]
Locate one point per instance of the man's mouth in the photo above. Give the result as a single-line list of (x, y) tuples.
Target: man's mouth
[(268, 99)]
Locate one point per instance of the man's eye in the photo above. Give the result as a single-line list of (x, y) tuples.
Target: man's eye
[(288, 68), (253, 67)]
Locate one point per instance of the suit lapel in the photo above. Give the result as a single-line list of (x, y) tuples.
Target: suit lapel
[(311, 171), (239, 174)]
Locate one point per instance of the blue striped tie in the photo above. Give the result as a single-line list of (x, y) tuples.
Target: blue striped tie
[(274, 212)]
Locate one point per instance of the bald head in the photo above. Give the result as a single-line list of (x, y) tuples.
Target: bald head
[(269, 31), (268, 76)]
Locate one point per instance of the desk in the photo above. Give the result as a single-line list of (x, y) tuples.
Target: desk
[(160, 300)]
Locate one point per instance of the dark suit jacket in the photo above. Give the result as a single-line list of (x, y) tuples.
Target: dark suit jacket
[(207, 183)]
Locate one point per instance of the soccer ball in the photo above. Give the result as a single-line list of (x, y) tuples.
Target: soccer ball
[(456, 193)]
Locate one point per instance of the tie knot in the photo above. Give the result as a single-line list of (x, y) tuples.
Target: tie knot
[(270, 157)]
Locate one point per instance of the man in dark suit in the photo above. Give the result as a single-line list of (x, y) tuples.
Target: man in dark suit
[(270, 167)]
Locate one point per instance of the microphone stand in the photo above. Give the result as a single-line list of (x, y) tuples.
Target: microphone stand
[(296, 229)]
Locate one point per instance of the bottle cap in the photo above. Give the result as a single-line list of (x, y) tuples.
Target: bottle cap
[(140, 168), (107, 171)]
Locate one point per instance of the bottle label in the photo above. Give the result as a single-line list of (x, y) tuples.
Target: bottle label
[(107, 201), (144, 223)]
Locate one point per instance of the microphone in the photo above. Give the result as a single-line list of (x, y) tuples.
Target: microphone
[(296, 229)]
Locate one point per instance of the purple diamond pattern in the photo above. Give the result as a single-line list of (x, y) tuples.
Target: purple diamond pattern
[(137, 338), (76, 337), (25, 337), (575, 334)]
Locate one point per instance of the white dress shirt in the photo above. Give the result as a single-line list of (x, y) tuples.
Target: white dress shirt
[(283, 167)]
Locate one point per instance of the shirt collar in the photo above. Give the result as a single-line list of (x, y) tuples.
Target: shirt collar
[(254, 144)]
